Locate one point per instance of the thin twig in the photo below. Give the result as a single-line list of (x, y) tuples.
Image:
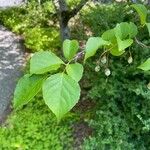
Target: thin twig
[(79, 56), (141, 44), (78, 8)]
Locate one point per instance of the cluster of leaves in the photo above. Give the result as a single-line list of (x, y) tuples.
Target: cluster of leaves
[(35, 127), (122, 115), (121, 36), (61, 91), (12, 18), (121, 120), (40, 39), (143, 12), (34, 23), (18, 19), (103, 17), (64, 82)]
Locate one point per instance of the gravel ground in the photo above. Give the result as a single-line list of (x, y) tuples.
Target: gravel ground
[(12, 60)]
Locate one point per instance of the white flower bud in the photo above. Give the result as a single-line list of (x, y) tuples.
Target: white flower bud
[(148, 85), (130, 60), (107, 72), (97, 68), (104, 60)]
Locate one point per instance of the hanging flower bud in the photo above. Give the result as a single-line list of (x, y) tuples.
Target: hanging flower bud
[(104, 60), (107, 72), (148, 85), (97, 68), (130, 60)]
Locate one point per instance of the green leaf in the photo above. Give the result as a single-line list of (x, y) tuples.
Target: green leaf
[(148, 27), (43, 62), (122, 30), (122, 45), (132, 30), (92, 46), (145, 66), (75, 71), (70, 48), (115, 52), (109, 35), (27, 87), (61, 93), (142, 11)]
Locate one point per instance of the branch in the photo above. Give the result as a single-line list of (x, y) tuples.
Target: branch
[(62, 6), (79, 56), (78, 8), (141, 44)]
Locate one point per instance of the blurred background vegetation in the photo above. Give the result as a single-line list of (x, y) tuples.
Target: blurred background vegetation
[(113, 113)]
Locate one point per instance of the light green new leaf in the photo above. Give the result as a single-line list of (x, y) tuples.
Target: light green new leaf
[(42, 62), (115, 52), (27, 87), (148, 27), (142, 11), (122, 30), (132, 30), (109, 35), (75, 71), (122, 45), (145, 66), (61, 93), (70, 48), (92, 46)]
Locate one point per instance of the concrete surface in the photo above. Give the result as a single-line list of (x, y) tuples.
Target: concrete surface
[(12, 60)]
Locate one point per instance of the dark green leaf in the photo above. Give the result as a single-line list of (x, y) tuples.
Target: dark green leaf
[(148, 27)]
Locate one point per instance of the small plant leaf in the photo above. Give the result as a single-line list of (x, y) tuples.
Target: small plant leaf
[(142, 11), (70, 48), (92, 46), (145, 66), (109, 35), (42, 62), (122, 45), (27, 87), (75, 71), (132, 30), (122, 30), (115, 52), (148, 27), (61, 93)]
